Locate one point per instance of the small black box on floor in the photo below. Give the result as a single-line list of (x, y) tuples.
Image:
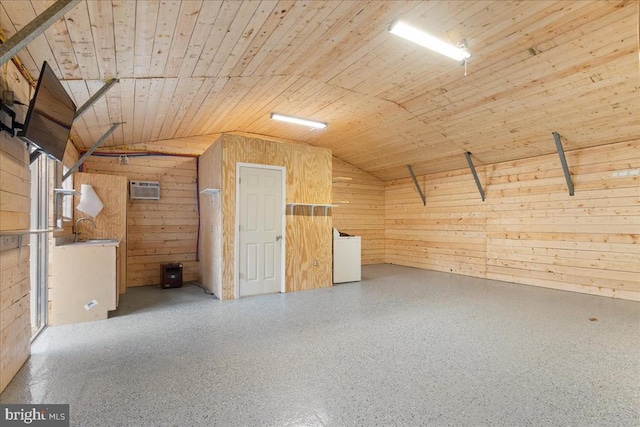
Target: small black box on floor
[(171, 276)]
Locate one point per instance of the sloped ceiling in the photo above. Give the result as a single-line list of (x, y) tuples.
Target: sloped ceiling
[(190, 70)]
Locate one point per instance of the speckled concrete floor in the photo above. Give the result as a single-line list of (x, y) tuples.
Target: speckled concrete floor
[(404, 347)]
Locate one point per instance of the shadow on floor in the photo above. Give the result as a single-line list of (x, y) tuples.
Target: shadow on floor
[(150, 298)]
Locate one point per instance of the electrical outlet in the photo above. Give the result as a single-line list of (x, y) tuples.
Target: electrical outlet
[(315, 262)]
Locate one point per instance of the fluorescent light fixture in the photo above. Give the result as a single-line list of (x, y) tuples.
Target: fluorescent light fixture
[(423, 39), (299, 121)]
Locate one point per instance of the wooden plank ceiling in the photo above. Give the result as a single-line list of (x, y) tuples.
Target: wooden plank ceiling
[(195, 69)]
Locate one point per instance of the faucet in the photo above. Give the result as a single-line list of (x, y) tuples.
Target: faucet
[(76, 233)]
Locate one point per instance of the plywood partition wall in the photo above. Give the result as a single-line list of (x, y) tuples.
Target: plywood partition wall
[(360, 210), (111, 222), (158, 231), (211, 236), (15, 330), (308, 181), (529, 230)]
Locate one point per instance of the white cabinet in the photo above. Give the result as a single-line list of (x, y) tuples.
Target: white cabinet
[(347, 259), (83, 285)]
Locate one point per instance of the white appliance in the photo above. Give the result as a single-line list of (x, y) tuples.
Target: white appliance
[(346, 259), (144, 190)]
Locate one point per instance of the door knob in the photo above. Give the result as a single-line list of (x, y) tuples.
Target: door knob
[(278, 238)]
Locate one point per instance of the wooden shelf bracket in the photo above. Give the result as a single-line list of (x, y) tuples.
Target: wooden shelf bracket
[(475, 175), (563, 161), (415, 182)]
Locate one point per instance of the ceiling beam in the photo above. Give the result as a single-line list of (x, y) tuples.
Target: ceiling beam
[(34, 28)]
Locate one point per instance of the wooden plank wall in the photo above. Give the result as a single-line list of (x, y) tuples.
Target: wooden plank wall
[(360, 197), (163, 231), (538, 235), (529, 230), (15, 284), (111, 222), (210, 177), (308, 181), (15, 206), (448, 234)]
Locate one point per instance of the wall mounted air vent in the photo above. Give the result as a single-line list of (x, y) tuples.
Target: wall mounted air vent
[(144, 190)]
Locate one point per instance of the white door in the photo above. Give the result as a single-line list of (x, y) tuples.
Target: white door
[(260, 234)]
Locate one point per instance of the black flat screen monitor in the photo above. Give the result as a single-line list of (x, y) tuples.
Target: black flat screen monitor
[(50, 115)]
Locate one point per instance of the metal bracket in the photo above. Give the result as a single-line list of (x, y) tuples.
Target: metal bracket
[(415, 181), (34, 28), (563, 161), (475, 175), (95, 97), (93, 148), (57, 205), (12, 115), (34, 155)]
